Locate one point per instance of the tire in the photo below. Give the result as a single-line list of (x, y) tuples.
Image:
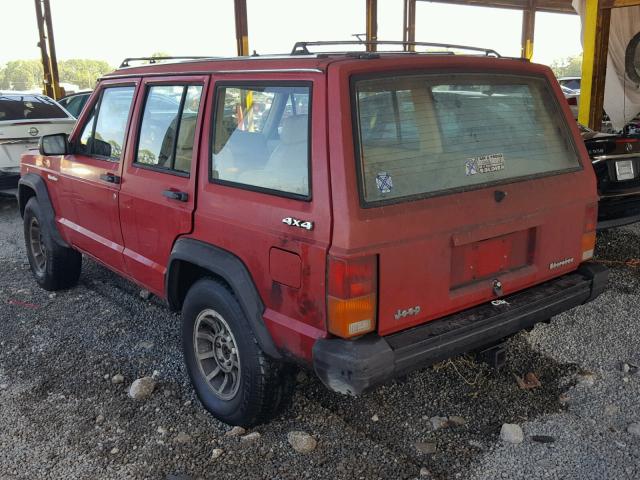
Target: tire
[(211, 316), (54, 267)]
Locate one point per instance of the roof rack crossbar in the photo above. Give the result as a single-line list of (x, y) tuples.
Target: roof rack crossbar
[(300, 48), (126, 61)]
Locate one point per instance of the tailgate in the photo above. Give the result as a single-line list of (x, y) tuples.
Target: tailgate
[(471, 187)]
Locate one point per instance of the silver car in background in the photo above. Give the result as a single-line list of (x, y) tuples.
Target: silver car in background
[(24, 118)]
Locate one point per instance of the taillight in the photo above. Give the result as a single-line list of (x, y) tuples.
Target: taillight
[(589, 231), (572, 101), (352, 299)]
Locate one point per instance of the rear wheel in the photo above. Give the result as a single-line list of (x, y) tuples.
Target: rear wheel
[(232, 377), (53, 266)]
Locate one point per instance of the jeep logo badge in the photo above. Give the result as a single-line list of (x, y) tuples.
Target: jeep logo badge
[(33, 131), (409, 312)]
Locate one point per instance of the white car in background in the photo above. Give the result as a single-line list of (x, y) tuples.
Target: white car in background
[(24, 118), (573, 99)]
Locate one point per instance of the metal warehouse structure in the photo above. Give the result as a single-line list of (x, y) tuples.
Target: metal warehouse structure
[(595, 39)]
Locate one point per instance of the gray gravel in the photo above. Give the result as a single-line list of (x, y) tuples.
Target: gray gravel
[(62, 416)]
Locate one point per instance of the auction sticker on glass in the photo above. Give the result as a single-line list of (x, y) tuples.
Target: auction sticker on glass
[(484, 164), (624, 170)]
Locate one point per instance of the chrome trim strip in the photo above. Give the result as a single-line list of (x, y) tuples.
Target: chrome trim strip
[(19, 141), (602, 158)]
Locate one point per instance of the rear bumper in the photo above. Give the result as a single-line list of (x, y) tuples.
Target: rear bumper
[(354, 366)]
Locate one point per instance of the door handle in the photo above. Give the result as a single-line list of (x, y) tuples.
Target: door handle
[(175, 195), (110, 177)]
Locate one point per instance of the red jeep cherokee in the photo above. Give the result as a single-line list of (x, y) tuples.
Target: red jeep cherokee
[(364, 214)]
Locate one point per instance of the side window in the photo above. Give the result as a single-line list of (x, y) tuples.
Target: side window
[(104, 136), (168, 127), (261, 138)]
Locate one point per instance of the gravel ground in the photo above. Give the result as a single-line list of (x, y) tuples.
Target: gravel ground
[(61, 416)]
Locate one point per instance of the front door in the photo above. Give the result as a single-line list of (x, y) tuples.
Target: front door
[(157, 195), (92, 174)]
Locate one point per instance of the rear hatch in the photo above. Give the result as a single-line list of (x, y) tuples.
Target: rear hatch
[(470, 186), (23, 120)]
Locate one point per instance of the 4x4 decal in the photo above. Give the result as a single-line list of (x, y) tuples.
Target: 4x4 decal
[(294, 222)]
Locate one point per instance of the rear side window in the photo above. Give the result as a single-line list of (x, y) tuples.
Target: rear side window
[(29, 107), (261, 138), (104, 132), (423, 134), (168, 127)]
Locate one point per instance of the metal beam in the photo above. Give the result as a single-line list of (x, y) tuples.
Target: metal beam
[(55, 79), (242, 28), (597, 21), (553, 6), (619, 3), (372, 24), (528, 30), (409, 25), (42, 43)]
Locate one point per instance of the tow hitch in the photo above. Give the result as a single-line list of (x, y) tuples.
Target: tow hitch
[(494, 356)]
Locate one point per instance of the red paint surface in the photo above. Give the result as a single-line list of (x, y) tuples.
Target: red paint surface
[(424, 248)]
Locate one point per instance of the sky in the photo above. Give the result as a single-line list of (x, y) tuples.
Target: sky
[(114, 29)]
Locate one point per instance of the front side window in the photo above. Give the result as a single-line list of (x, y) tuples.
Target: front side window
[(423, 134), (261, 138), (168, 127), (104, 132)]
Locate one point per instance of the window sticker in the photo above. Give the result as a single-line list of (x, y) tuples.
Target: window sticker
[(384, 182), (484, 164)]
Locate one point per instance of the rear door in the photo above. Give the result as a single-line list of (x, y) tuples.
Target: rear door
[(467, 187), (157, 196)]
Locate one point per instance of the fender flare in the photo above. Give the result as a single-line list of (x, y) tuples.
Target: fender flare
[(234, 272), (37, 184)]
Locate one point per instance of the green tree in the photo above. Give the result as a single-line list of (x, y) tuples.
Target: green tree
[(28, 74), (567, 67), (82, 72), (21, 75)]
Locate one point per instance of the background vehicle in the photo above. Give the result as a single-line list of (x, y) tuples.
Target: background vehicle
[(74, 103), (616, 161), (435, 232), (24, 118), (573, 99), (572, 83)]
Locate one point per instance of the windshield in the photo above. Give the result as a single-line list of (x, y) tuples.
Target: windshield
[(423, 134), (29, 107)]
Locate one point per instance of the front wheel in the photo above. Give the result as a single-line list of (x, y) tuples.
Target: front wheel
[(54, 267), (231, 375)]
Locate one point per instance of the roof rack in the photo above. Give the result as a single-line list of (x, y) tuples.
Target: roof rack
[(126, 61), (300, 48)]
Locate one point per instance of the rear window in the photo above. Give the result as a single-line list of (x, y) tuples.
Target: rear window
[(424, 134), (28, 107)]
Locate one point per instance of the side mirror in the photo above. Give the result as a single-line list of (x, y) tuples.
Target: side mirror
[(57, 144)]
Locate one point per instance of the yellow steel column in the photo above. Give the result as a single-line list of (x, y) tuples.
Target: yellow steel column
[(372, 24), (242, 28), (594, 63), (528, 29), (42, 43), (55, 80)]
